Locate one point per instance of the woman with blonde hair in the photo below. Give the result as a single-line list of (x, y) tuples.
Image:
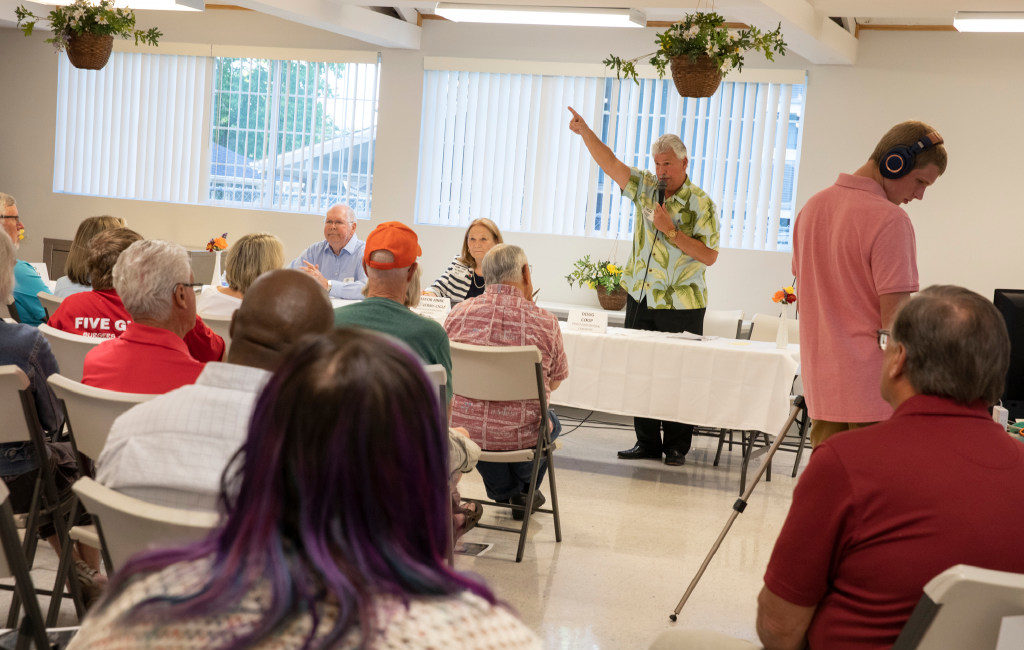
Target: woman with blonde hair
[(76, 268), (247, 259), (463, 278)]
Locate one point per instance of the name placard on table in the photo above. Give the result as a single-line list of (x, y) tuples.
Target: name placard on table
[(436, 307), (585, 320)]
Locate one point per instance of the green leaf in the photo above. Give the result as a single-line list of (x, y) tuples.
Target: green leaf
[(688, 271), (660, 253), (657, 274)]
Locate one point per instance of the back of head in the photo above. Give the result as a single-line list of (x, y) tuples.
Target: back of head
[(279, 308), (8, 258), (77, 265), (466, 258), (104, 249), (250, 257), (906, 134), (956, 344), (146, 273), (504, 264)]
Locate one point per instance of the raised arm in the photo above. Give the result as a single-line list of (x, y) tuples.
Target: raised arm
[(602, 154)]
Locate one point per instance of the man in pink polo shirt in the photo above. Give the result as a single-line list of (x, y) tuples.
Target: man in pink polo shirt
[(855, 260)]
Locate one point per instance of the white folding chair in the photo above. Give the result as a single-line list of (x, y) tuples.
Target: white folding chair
[(765, 327), (221, 326), (69, 350), (14, 565), (127, 525), (963, 607), (49, 302), (723, 323), (510, 373)]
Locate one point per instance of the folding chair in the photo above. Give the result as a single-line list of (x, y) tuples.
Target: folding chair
[(18, 412), (963, 607), (724, 324), (49, 302), (14, 565), (127, 526), (510, 373), (221, 326), (69, 350)]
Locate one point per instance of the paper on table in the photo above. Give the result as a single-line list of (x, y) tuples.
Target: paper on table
[(690, 336)]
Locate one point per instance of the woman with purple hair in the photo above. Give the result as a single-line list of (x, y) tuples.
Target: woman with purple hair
[(336, 526)]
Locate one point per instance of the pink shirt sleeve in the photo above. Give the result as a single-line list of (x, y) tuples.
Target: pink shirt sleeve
[(894, 258)]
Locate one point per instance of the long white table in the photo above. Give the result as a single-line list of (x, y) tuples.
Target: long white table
[(727, 383)]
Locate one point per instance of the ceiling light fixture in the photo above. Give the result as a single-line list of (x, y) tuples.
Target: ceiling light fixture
[(147, 5), (989, 21), (520, 15)]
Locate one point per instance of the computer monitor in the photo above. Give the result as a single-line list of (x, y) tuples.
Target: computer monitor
[(1010, 303)]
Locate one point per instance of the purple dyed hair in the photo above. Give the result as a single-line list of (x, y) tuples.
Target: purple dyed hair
[(342, 494)]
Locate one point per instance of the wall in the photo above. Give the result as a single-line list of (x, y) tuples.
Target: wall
[(966, 85)]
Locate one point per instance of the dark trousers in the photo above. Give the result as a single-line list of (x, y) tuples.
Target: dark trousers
[(639, 317), (505, 480)]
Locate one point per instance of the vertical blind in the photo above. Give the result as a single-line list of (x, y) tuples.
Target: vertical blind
[(497, 145), (133, 129)]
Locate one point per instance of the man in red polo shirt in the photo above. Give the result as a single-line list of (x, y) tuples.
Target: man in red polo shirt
[(154, 281), (882, 510)]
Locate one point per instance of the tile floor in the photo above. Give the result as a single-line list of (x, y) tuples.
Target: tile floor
[(633, 535)]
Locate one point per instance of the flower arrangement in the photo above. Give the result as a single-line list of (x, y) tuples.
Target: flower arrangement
[(703, 35), (217, 243), (84, 17), (602, 274), (785, 296)]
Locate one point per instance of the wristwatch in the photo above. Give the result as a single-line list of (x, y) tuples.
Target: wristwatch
[(672, 233)]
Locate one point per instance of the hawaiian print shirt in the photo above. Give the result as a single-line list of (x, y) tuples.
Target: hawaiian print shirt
[(674, 279)]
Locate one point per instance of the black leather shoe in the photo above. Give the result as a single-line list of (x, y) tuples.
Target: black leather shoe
[(520, 500), (675, 457), (638, 452)]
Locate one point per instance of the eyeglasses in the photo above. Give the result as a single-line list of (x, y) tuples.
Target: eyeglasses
[(883, 339), (191, 285), (9, 216)]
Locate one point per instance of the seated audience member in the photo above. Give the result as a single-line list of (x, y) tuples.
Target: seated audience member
[(160, 451), (335, 528), (27, 281), (337, 261), (153, 278), (102, 314), (880, 511), (247, 259), (23, 346), (76, 268), (505, 316), (464, 279)]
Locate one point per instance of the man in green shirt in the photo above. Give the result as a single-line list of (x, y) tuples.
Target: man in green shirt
[(390, 261), (674, 241)]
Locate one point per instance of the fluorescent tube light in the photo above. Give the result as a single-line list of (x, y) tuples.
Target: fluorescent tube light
[(147, 5), (520, 15), (989, 21)]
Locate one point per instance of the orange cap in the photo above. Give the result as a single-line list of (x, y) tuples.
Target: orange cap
[(396, 238)]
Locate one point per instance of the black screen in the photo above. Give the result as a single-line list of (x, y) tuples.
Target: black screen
[(1010, 303)]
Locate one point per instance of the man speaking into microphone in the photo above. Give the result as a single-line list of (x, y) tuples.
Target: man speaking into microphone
[(675, 239)]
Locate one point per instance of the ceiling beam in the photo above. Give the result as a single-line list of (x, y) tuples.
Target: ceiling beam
[(809, 32), (940, 11), (407, 13), (348, 20)]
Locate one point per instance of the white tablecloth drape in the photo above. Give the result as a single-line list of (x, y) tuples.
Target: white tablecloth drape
[(725, 383)]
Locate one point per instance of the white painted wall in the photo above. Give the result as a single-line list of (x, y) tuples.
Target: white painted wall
[(968, 86)]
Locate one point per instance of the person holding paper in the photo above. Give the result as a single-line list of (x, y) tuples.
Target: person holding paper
[(675, 239)]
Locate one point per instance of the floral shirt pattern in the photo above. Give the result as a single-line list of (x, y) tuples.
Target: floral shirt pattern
[(674, 279)]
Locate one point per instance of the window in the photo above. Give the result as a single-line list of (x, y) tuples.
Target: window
[(497, 145), (251, 133)]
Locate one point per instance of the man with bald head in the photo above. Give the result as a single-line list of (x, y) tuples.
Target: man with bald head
[(173, 449), (337, 261)]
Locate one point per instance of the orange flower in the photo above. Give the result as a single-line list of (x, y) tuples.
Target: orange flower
[(779, 296)]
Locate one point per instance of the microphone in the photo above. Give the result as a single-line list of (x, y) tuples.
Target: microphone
[(661, 191)]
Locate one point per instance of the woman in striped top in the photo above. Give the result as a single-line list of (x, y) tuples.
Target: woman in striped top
[(463, 279)]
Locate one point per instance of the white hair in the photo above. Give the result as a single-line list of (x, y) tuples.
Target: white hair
[(669, 143), (145, 275), (8, 258), (346, 211), (6, 201), (504, 264)]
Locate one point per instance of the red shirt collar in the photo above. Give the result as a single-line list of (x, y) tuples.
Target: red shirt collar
[(149, 335), (934, 405)]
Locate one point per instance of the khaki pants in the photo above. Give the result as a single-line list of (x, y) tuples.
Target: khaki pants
[(822, 430)]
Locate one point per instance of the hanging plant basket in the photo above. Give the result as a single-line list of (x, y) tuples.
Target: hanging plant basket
[(90, 51), (611, 300), (698, 78)]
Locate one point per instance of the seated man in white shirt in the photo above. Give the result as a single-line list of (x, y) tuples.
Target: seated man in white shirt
[(173, 449)]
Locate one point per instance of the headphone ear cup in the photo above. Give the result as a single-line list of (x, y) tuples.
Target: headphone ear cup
[(897, 162)]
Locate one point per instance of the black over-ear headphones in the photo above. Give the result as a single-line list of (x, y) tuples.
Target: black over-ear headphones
[(899, 161)]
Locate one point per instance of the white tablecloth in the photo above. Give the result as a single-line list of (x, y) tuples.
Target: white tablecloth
[(718, 383)]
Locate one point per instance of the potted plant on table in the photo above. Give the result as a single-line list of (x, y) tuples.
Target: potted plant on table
[(87, 30), (603, 276), (700, 49)]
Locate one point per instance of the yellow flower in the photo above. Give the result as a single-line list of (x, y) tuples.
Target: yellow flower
[(789, 290), (592, 284), (21, 234), (612, 268)]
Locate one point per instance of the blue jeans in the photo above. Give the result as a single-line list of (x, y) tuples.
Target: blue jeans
[(505, 480)]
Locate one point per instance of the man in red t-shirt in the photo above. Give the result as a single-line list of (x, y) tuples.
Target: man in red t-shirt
[(855, 261), (100, 312), (154, 280), (881, 511)]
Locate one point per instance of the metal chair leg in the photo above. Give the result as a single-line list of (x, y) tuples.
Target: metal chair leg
[(804, 428), (528, 508), (554, 495)]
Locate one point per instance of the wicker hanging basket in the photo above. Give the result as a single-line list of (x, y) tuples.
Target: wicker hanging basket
[(90, 51), (698, 78), (611, 300)]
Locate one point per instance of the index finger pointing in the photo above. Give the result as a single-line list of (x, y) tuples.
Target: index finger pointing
[(574, 113)]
